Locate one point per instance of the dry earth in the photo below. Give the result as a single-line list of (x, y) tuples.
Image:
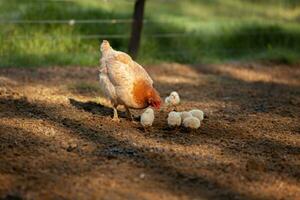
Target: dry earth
[(58, 142)]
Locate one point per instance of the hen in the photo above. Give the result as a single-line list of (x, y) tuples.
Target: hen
[(125, 82)]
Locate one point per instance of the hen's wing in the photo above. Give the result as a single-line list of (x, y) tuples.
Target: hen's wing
[(141, 72), (134, 71), (118, 73)]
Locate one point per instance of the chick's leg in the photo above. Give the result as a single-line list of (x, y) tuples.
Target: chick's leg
[(175, 108), (116, 117)]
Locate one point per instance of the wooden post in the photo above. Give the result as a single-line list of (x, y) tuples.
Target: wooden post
[(137, 26)]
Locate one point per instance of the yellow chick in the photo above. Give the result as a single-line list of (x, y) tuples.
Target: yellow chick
[(191, 123), (173, 99), (185, 114), (147, 117), (198, 114), (174, 119)]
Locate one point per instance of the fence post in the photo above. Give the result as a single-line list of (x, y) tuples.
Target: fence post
[(137, 25)]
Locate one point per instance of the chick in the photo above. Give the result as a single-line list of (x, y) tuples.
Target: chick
[(185, 114), (173, 100), (191, 123), (167, 101), (174, 119), (147, 118), (198, 114)]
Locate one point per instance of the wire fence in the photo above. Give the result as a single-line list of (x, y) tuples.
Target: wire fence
[(70, 21), (73, 22), (100, 36), (117, 22)]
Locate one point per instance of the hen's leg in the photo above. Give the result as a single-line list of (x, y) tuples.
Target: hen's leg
[(116, 118), (129, 113)]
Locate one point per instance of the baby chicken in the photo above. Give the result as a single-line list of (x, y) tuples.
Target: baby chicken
[(185, 114), (167, 101), (173, 99), (174, 119), (198, 114), (147, 118), (191, 123)]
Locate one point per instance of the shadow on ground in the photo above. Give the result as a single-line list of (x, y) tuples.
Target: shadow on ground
[(155, 163), (73, 149)]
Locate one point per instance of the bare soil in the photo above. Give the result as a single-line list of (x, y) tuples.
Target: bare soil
[(57, 140)]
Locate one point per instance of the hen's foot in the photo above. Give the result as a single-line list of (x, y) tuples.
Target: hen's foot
[(116, 120), (134, 122), (116, 117), (129, 115)]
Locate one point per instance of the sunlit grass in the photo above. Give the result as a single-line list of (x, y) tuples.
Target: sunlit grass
[(216, 31)]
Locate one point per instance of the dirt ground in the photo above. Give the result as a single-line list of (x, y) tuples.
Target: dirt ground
[(58, 142)]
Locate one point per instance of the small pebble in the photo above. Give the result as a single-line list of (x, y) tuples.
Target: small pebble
[(142, 176)]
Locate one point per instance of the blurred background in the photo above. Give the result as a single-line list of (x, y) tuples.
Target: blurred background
[(68, 32)]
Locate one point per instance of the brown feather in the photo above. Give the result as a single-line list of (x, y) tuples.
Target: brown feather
[(141, 92)]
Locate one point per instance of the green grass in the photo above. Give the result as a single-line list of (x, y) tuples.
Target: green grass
[(217, 31)]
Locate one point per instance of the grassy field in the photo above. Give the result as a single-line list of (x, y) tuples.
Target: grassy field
[(215, 31)]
